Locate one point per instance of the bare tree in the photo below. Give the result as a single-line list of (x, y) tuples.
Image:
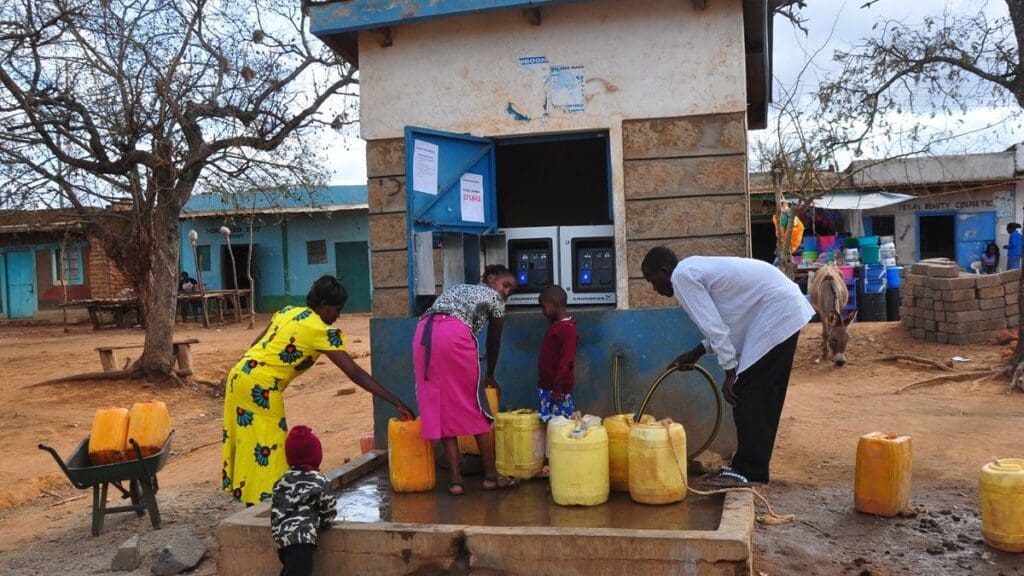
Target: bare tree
[(942, 65), (138, 103)]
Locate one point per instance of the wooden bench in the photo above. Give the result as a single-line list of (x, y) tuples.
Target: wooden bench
[(182, 354)]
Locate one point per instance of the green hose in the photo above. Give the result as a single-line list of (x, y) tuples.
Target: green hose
[(615, 383), (714, 392)]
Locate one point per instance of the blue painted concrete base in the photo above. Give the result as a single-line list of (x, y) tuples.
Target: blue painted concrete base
[(646, 341)]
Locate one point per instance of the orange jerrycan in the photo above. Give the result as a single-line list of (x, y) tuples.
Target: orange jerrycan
[(467, 444), (410, 457), (618, 427), (109, 436), (1002, 504), (882, 478), (149, 424)]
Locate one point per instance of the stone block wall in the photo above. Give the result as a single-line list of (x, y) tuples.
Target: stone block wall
[(685, 182), (389, 242), (942, 304), (385, 170)]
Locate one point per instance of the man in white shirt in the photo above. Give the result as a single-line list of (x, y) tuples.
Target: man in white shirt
[(750, 315)]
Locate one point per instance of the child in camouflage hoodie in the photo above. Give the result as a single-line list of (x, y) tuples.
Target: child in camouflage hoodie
[(302, 503)]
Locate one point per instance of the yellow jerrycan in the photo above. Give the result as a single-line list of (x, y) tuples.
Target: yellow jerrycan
[(1002, 504), (618, 428), (109, 436), (519, 443), (579, 464), (882, 478), (149, 424), (657, 462), (467, 444), (557, 422), (410, 457)]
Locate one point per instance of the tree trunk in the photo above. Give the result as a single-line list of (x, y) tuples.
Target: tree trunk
[(158, 293), (783, 239), (1017, 360)]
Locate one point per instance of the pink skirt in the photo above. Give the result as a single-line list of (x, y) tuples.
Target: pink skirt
[(448, 383)]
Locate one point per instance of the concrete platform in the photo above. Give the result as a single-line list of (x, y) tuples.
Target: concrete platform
[(520, 532)]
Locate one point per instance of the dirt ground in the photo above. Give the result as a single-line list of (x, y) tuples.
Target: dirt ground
[(956, 427)]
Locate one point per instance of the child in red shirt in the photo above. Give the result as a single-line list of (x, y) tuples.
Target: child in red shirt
[(557, 362)]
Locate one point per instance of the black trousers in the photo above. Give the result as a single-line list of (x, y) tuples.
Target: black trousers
[(761, 392), (297, 559)]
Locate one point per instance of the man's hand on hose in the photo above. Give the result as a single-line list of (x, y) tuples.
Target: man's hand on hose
[(490, 381), (688, 358), (727, 387)]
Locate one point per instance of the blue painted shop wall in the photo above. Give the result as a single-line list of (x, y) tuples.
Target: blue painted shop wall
[(283, 272), (647, 341)]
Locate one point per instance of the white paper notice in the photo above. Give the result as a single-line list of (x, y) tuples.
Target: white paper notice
[(472, 194), (424, 167)]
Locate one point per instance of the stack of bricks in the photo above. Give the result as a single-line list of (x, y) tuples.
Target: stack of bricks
[(942, 304)]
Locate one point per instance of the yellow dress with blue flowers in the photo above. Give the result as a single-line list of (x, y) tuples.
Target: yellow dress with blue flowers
[(254, 422)]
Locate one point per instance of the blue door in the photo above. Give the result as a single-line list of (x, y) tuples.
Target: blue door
[(21, 284), (974, 231), (450, 183)]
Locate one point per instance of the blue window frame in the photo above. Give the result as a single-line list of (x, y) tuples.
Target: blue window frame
[(68, 265)]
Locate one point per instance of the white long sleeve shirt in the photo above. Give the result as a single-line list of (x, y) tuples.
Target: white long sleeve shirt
[(743, 307)]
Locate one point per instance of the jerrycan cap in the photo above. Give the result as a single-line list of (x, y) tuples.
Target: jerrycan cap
[(1005, 465)]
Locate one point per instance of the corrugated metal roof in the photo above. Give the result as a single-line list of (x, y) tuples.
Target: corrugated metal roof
[(328, 198), (43, 220)]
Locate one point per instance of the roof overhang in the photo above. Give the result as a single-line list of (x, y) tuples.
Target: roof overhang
[(757, 44), (855, 200), (51, 227), (338, 23), (273, 210)]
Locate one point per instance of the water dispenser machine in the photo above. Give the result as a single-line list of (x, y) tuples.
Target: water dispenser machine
[(588, 264), (533, 258)]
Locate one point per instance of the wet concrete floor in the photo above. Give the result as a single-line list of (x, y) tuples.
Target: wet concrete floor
[(370, 499)]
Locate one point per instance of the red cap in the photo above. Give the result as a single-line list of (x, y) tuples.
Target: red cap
[(302, 448)]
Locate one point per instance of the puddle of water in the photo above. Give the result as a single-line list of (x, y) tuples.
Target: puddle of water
[(370, 499)]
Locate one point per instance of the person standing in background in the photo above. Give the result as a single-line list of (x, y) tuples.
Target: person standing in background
[(1013, 248)]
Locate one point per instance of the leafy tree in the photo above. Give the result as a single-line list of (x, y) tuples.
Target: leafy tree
[(945, 64), (138, 103)]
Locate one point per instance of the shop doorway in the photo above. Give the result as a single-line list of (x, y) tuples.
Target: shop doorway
[(936, 236), (762, 240)]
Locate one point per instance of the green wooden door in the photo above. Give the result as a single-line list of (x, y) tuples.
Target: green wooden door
[(353, 266)]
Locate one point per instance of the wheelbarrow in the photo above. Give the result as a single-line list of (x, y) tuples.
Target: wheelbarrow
[(140, 473)]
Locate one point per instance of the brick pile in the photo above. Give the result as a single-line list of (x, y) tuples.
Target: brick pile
[(942, 304)]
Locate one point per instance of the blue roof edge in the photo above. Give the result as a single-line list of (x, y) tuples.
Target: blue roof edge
[(353, 15), (312, 199)]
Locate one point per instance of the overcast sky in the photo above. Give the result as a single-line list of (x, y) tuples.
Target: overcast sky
[(847, 23)]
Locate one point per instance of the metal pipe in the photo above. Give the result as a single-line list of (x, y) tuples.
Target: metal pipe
[(714, 392)]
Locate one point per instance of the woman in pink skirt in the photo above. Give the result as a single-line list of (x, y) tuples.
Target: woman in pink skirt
[(449, 390)]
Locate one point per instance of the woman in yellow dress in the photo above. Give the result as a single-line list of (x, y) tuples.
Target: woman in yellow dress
[(254, 421)]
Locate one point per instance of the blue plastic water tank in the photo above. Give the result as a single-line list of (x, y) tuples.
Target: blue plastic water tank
[(893, 276)]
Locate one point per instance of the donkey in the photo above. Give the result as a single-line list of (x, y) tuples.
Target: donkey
[(828, 297)]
